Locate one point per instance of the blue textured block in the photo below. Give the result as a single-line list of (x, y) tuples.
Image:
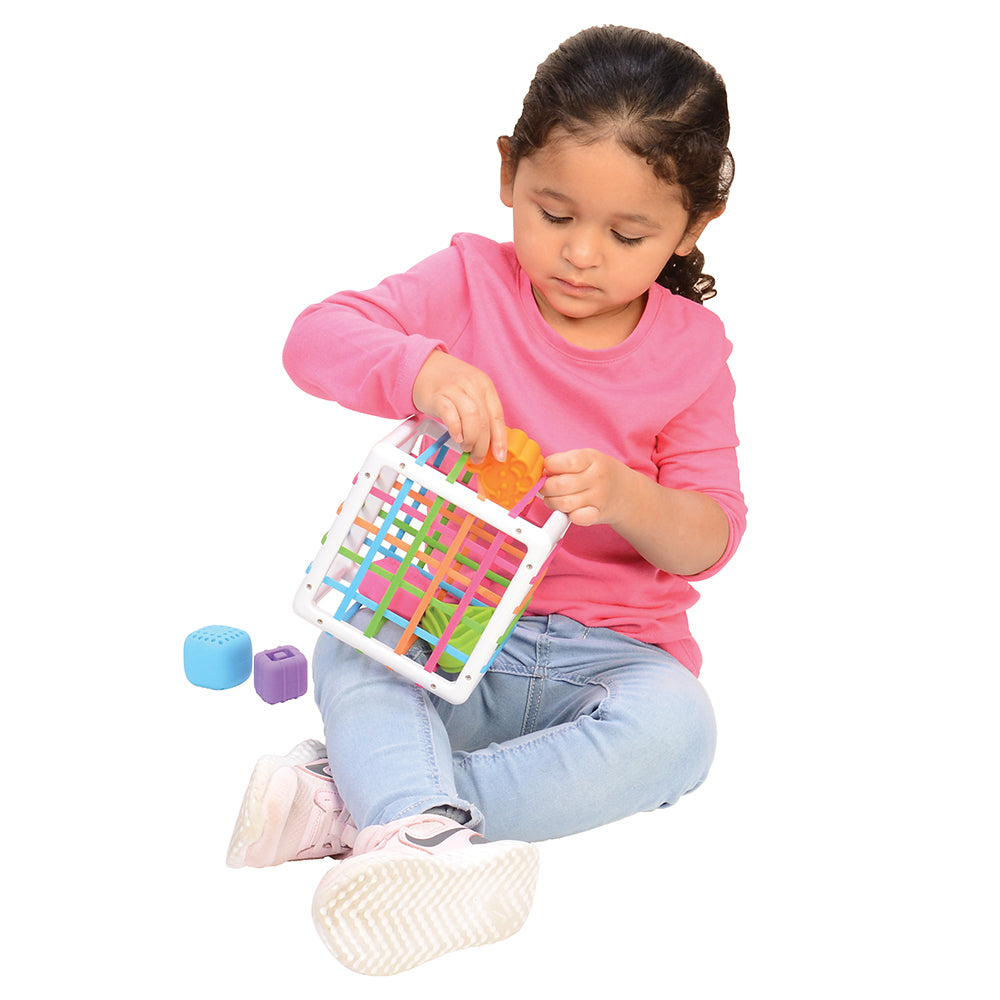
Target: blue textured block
[(217, 657), (280, 674)]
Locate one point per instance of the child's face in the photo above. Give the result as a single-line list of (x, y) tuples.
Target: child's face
[(593, 228)]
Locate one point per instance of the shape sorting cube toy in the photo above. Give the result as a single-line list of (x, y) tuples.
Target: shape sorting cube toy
[(419, 543), (217, 657)]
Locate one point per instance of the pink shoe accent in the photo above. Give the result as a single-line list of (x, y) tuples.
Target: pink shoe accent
[(428, 834), (291, 812)]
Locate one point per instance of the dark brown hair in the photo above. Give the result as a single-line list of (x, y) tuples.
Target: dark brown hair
[(660, 100)]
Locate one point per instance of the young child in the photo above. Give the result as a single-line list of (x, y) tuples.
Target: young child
[(588, 333)]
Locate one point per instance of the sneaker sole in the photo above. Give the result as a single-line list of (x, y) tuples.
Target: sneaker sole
[(380, 914), (253, 816)]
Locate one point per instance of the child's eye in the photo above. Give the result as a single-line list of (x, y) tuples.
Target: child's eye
[(629, 241), (556, 220)]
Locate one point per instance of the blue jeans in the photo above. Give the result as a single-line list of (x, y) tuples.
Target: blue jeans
[(571, 727)]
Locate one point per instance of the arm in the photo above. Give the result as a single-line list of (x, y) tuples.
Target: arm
[(690, 518), (679, 531), (385, 352), (365, 349)]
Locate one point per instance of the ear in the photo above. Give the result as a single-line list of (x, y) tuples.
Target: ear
[(694, 231), (506, 172)]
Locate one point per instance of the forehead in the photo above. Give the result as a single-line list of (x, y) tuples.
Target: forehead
[(598, 172)]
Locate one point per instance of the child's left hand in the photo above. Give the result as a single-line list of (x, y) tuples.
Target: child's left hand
[(678, 531), (583, 484)]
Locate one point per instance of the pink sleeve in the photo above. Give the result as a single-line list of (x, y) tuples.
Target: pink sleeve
[(364, 349), (697, 451)]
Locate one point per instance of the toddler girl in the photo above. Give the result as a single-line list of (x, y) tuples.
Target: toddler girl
[(588, 333)]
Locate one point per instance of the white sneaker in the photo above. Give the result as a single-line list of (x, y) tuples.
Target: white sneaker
[(419, 888), (291, 811)]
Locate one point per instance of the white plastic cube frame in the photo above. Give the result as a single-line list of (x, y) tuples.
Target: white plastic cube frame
[(328, 596)]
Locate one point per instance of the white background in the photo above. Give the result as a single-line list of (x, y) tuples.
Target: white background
[(181, 179)]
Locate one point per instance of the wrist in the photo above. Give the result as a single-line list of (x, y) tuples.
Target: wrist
[(625, 495)]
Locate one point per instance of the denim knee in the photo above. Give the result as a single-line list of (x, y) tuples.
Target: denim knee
[(669, 736)]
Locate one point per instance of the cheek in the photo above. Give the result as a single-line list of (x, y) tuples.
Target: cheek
[(655, 262), (635, 276), (525, 229), (530, 247), (533, 240)]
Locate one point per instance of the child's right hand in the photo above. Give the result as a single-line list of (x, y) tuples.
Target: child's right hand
[(465, 400)]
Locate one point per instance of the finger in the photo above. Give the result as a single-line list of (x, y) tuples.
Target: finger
[(564, 462), (447, 413), (560, 486), (497, 425), (479, 449), (473, 424), (498, 438), (457, 411), (568, 499), (490, 426), (585, 516), (576, 507)]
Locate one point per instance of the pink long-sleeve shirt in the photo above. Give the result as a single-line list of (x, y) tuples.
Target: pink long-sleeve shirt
[(661, 402)]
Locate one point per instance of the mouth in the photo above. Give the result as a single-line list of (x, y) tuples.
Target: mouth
[(574, 288)]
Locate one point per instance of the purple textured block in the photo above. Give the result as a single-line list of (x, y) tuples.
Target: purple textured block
[(280, 674)]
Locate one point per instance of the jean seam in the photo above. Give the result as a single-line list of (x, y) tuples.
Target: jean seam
[(541, 737), (427, 738), (420, 652), (536, 685)]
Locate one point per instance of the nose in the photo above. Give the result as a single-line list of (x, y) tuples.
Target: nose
[(581, 249)]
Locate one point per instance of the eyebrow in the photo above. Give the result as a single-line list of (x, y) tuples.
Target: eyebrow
[(636, 217)]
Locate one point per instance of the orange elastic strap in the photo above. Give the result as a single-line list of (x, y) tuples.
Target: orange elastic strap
[(438, 577)]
